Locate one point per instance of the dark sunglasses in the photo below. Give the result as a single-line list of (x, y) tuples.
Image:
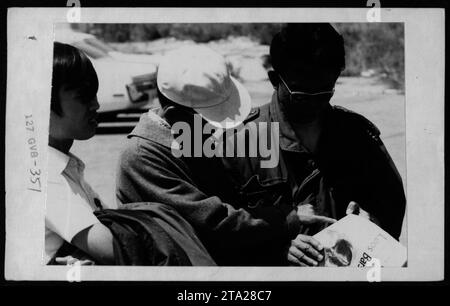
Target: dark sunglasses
[(302, 94)]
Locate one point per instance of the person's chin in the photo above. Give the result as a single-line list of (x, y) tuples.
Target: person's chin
[(93, 124), (93, 131), (303, 119), (89, 134)]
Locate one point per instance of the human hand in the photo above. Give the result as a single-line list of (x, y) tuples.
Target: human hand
[(307, 215), (69, 260), (355, 208), (305, 251)]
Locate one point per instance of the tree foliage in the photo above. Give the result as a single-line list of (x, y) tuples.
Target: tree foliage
[(369, 46)]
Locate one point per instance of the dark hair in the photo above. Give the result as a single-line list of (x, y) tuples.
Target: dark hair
[(344, 247), (317, 45), (176, 112), (72, 69)]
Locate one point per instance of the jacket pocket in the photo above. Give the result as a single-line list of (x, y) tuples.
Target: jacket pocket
[(270, 194)]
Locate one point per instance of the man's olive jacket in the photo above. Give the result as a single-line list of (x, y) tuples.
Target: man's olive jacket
[(351, 164), (198, 188)]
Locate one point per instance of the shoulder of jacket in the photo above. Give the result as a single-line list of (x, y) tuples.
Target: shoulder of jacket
[(353, 118), (253, 115)]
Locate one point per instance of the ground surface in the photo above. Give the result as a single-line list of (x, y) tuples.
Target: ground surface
[(366, 96)]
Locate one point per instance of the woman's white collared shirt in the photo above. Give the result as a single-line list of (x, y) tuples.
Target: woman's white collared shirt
[(70, 201)]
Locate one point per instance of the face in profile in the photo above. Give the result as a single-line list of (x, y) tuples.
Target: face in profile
[(79, 105), (339, 255)]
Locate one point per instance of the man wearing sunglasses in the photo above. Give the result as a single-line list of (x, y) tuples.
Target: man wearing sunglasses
[(332, 161)]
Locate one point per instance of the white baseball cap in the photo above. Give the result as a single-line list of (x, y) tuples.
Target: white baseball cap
[(198, 77)]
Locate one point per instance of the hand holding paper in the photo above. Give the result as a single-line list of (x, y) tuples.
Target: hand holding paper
[(305, 251), (307, 215), (355, 209), (354, 241)]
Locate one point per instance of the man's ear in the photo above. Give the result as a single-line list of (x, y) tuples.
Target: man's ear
[(174, 113), (273, 77), (168, 111)]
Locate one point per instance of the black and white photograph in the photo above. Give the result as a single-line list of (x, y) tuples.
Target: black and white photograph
[(332, 159), (229, 149)]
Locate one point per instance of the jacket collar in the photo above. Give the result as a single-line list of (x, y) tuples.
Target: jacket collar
[(59, 162), (288, 139), (152, 127)]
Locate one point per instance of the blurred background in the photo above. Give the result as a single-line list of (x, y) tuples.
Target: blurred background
[(371, 48), (126, 56)]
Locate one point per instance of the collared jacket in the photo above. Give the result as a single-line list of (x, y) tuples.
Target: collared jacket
[(351, 164), (199, 189)]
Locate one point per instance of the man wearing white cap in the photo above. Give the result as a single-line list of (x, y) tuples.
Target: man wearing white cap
[(198, 78), (194, 82)]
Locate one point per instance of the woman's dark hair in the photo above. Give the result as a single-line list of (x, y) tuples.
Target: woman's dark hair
[(317, 45), (72, 69)]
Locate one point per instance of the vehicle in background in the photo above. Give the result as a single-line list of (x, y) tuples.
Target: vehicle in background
[(127, 82)]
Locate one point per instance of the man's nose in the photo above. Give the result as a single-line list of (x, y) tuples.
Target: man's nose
[(94, 104)]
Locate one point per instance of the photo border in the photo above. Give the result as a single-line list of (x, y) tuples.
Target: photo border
[(30, 40)]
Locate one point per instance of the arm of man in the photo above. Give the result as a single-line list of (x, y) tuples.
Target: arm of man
[(386, 197), (380, 187), (152, 174), (375, 184), (96, 241)]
